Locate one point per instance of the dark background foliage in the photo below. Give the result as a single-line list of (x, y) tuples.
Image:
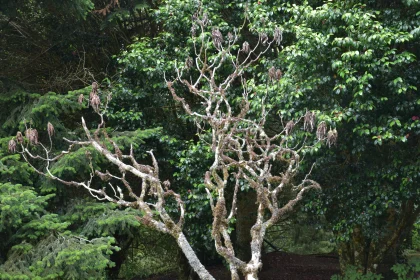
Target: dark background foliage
[(353, 63)]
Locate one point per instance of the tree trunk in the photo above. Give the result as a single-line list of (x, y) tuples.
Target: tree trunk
[(355, 253), (192, 258), (367, 254), (345, 255), (234, 275)]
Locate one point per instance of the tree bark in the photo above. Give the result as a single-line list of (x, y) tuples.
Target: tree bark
[(185, 271), (192, 258), (251, 276), (345, 255)]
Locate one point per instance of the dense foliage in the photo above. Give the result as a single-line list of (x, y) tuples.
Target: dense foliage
[(353, 63), (362, 75)]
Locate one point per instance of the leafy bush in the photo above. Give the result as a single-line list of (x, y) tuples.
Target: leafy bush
[(152, 253), (416, 237), (301, 234), (410, 271), (351, 273)]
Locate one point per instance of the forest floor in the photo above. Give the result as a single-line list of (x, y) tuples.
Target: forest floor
[(283, 266)]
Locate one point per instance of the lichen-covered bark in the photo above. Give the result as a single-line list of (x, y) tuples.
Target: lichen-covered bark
[(251, 276), (185, 271), (192, 258)]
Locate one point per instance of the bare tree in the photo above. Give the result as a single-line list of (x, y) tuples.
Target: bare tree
[(243, 152)]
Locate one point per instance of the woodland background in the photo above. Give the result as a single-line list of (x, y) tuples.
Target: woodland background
[(354, 63)]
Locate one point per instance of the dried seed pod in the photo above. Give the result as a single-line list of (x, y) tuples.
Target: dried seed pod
[(263, 38), (19, 137), (279, 74), (81, 98), (309, 121), (230, 37), (272, 73), (289, 127), (12, 146), (50, 129), (245, 47), (27, 133), (205, 19), (278, 36), (189, 62), (332, 137), (91, 94), (95, 102), (166, 184), (321, 131), (217, 38), (95, 86), (32, 135)]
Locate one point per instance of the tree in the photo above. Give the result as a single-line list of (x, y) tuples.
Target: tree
[(244, 154), (356, 62), (61, 46), (50, 45), (45, 226)]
